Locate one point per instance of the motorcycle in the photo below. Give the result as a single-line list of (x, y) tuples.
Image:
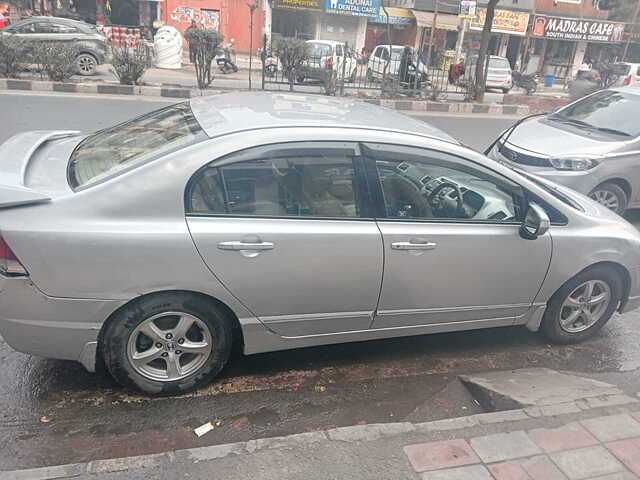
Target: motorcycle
[(527, 82), (226, 59)]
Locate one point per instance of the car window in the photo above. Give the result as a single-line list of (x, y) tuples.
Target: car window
[(339, 50), (320, 50), (378, 52), (314, 182), (60, 28), (638, 71), (130, 143), (28, 28), (498, 63), (396, 53), (429, 185), (43, 27), (608, 111), (620, 68)]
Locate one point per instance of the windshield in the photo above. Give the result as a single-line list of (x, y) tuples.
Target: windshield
[(620, 69), (608, 111), (396, 53), (498, 63), (130, 143), (319, 50)]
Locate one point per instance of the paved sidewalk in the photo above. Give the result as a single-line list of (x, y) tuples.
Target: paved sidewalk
[(593, 439)]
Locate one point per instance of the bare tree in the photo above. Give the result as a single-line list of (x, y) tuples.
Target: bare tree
[(481, 65)]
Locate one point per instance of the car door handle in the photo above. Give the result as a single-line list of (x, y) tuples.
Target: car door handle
[(413, 246), (235, 245)]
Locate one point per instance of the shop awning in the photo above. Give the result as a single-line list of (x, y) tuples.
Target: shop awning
[(397, 16), (444, 21)]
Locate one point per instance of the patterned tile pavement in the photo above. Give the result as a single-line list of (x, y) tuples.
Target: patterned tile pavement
[(601, 448)]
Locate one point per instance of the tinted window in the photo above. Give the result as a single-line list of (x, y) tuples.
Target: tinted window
[(60, 28), (339, 50), (124, 145), (28, 28), (607, 110), (298, 183), (43, 27), (620, 68), (422, 184)]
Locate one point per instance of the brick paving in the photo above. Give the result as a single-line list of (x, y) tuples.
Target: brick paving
[(601, 448)]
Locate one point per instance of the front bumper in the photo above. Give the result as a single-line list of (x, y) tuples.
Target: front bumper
[(63, 328)]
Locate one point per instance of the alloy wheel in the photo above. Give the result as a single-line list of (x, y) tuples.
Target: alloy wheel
[(86, 64), (606, 198), (585, 306), (169, 346)]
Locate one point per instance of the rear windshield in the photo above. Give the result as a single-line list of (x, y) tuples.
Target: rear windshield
[(498, 63), (620, 68), (320, 50), (131, 143)]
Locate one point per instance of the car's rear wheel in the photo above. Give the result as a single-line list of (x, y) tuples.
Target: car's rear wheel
[(87, 64), (167, 344), (611, 196), (583, 305)]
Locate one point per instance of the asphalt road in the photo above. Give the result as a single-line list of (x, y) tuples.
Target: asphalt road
[(53, 412)]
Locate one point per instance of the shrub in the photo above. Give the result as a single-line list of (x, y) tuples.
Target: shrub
[(59, 61), (12, 55), (292, 52), (130, 63), (204, 45)]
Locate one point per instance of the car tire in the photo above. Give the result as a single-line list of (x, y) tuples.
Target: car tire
[(611, 196), (570, 298), (139, 356), (86, 64), (506, 90)]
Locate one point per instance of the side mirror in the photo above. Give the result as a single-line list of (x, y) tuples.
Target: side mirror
[(536, 222)]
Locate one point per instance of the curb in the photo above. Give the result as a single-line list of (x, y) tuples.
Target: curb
[(349, 434), (173, 91)]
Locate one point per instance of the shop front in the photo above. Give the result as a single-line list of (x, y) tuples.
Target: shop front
[(444, 37), (295, 18), (508, 30), (396, 26), (563, 43)]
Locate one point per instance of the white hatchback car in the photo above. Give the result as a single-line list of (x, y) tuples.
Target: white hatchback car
[(380, 57), (628, 74), (326, 56)]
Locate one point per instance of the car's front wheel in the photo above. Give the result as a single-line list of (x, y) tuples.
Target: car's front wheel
[(611, 196), (582, 305), (167, 344), (87, 64)]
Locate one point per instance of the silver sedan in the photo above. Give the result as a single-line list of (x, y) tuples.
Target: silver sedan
[(283, 221)]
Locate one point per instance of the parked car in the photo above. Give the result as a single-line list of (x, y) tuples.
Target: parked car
[(382, 59), (591, 145), (92, 46), (499, 73), (628, 74), (279, 221), (327, 57)]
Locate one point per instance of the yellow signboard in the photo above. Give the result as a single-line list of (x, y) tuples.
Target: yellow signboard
[(504, 21)]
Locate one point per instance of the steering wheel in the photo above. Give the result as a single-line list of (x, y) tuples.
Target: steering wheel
[(436, 191)]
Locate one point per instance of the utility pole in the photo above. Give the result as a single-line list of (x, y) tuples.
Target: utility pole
[(460, 39), (633, 28), (433, 31)]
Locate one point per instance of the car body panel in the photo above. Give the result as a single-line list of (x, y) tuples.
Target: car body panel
[(140, 241)]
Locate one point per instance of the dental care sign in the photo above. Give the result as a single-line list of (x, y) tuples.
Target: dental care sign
[(575, 29), (356, 8)]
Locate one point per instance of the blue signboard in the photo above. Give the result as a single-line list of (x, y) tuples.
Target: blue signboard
[(356, 8)]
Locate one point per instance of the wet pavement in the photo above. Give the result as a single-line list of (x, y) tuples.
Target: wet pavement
[(54, 412)]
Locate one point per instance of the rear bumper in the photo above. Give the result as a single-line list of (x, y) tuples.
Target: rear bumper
[(63, 328)]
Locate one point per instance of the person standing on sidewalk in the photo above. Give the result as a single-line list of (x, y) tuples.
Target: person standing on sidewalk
[(192, 52)]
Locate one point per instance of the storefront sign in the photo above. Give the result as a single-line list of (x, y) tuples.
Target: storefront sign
[(397, 16), (467, 9), (356, 8), (504, 21), (561, 28), (311, 5)]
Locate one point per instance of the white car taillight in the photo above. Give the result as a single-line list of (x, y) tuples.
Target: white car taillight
[(9, 263)]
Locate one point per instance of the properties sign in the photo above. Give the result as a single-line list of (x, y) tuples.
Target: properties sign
[(575, 29), (356, 8)]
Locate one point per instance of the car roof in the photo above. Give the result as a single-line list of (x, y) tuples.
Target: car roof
[(327, 42), (227, 113)]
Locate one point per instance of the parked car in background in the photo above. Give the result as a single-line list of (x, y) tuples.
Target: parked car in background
[(499, 74), (278, 221), (627, 74), (328, 57), (591, 145), (384, 60), (92, 46)]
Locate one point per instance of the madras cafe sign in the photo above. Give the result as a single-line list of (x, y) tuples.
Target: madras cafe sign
[(311, 5), (575, 29), (356, 8)]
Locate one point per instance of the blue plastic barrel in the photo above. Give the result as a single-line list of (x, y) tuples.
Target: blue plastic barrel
[(548, 80)]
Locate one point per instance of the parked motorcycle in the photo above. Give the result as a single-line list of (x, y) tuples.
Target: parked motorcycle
[(527, 82), (226, 58)]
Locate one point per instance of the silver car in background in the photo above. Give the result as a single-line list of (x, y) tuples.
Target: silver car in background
[(283, 221), (591, 145), (499, 75)]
